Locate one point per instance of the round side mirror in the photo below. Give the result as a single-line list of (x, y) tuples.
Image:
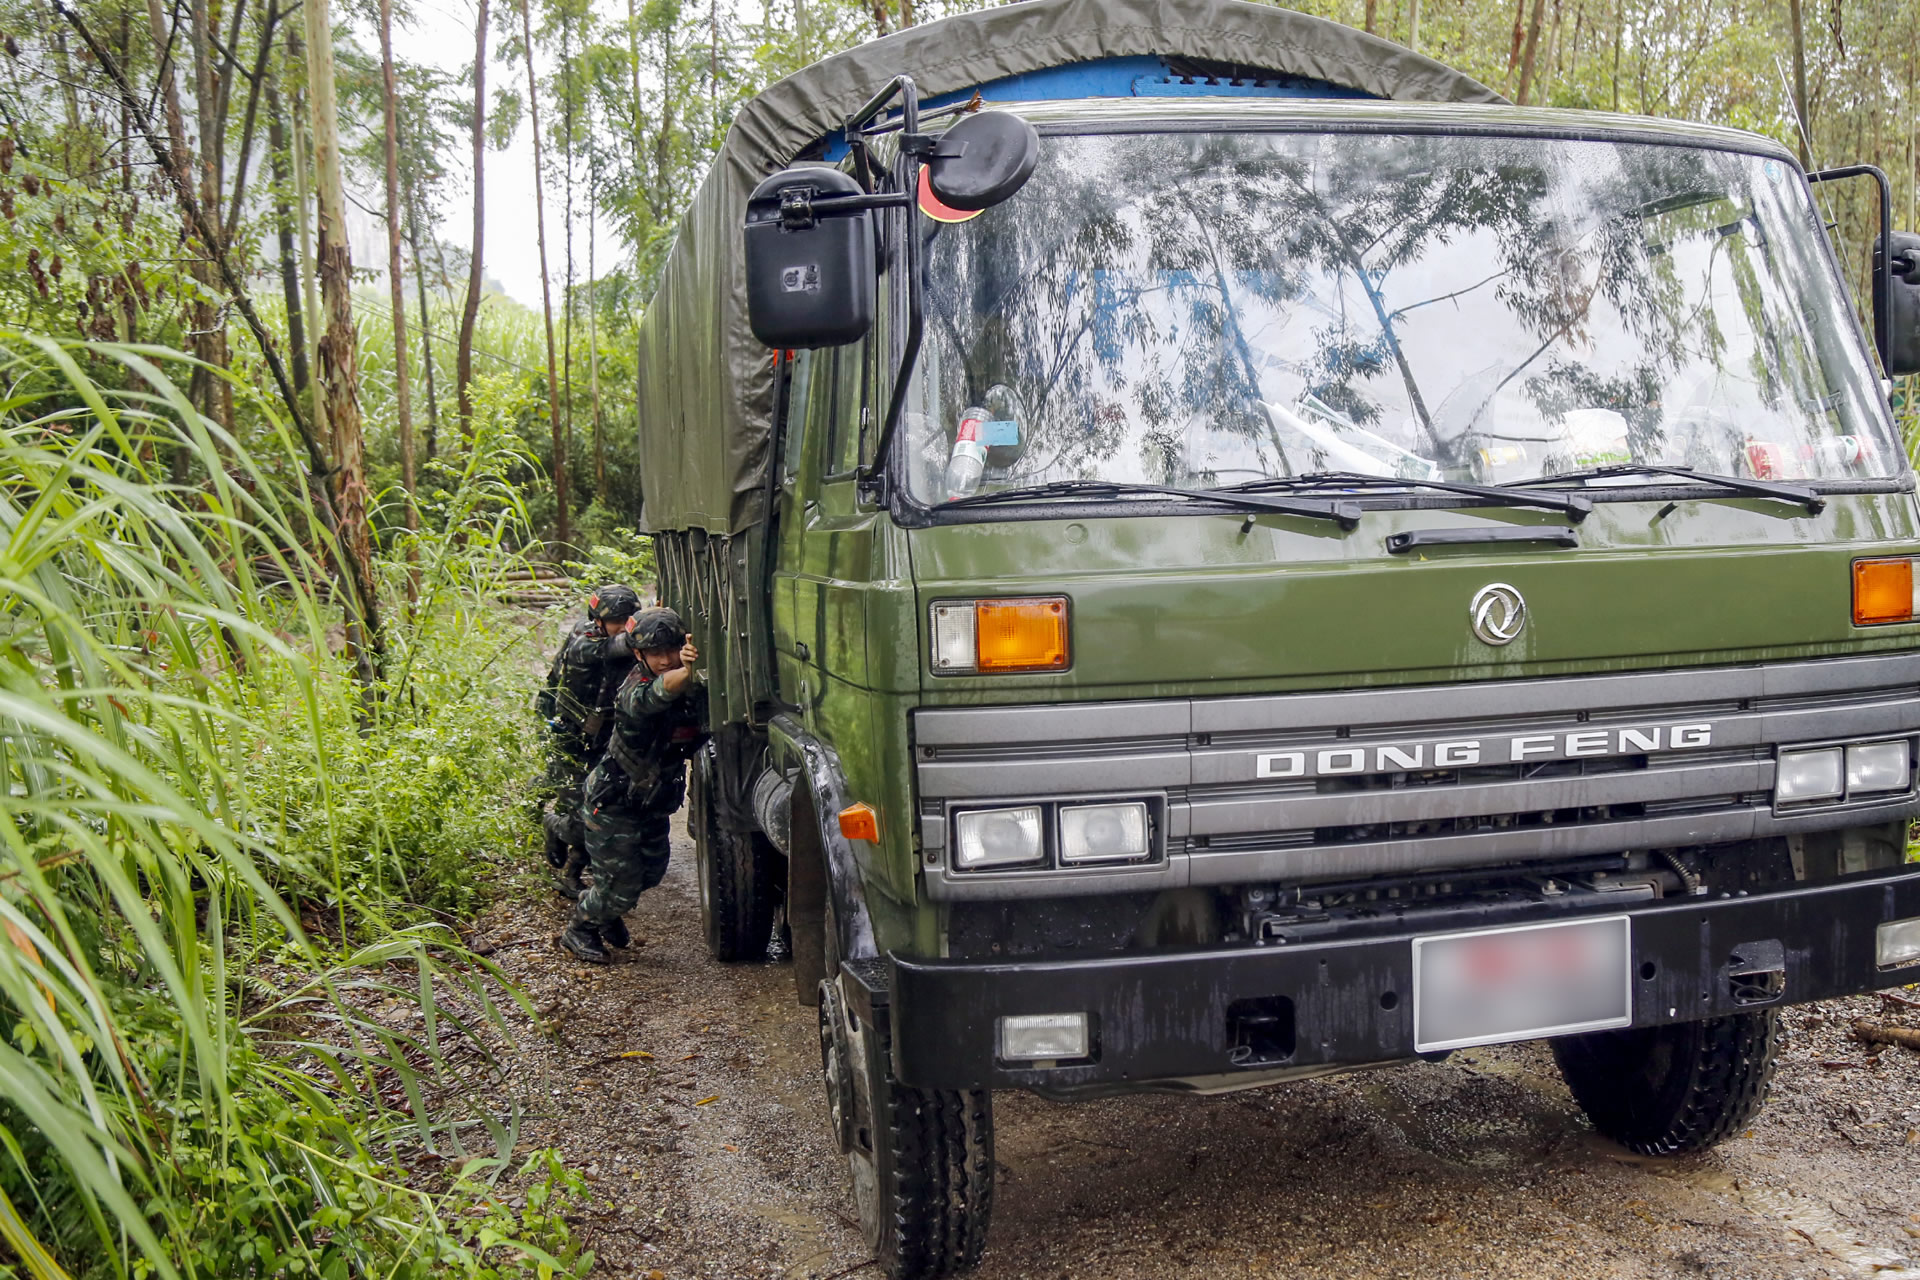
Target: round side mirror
[(982, 160)]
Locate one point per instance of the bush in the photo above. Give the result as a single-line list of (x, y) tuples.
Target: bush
[(197, 1083)]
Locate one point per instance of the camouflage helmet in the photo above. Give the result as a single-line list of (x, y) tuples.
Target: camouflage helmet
[(656, 629), (613, 603)]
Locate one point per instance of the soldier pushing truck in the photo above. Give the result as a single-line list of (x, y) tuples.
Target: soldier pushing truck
[(640, 780), (577, 704)]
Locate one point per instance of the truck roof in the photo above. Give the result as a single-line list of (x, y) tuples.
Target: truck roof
[(1286, 112)]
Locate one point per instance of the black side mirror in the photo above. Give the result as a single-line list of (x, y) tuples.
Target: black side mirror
[(1900, 327), (810, 264), (982, 160)]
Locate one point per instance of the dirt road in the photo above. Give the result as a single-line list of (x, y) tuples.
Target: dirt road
[(710, 1157)]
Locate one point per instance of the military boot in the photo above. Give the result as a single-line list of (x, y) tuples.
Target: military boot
[(582, 941), (568, 883), (554, 827), (614, 932)]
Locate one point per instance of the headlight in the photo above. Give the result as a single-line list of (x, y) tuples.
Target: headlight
[(1877, 766), (1103, 832), (1809, 775), (1883, 591), (997, 837), (1896, 943), (1024, 633), (1035, 1037)]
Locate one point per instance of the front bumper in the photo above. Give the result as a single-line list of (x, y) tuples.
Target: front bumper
[(1183, 1014)]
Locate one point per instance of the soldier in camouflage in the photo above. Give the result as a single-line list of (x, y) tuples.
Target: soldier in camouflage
[(578, 705), (659, 718)]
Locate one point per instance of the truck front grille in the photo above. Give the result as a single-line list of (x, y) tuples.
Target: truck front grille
[(1292, 787)]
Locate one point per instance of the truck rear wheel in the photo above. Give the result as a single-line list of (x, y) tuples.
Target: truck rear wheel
[(1669, 1090), (921, 1159), (739, 880)]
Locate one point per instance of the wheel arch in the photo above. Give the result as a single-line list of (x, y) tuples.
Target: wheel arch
[(821, 867)]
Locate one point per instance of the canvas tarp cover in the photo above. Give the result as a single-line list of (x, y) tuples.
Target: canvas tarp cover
[(706, 385)]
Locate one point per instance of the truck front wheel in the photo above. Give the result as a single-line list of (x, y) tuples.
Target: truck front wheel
[(921, 1159), (1668, 1090), (738, 873)]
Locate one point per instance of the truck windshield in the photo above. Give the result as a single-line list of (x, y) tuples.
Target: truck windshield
[(1200, 309)]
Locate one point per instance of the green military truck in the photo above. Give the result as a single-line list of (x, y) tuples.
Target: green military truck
[(1227, 553)]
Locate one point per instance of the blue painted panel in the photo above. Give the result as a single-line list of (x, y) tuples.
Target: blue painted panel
[(1134, 77)]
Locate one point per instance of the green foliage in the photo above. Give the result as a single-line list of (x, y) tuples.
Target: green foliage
[(233, 1045), (615, 553)]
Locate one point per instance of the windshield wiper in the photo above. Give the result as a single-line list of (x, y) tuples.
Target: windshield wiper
[(1347, 514), (1806, 497), (1575, 507)]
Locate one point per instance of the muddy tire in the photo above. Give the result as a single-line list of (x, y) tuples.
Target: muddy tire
[(921, 1159), (739, 878), (1664, 1091)]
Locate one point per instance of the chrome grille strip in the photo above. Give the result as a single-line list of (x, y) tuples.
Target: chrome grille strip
[(1412, 804)]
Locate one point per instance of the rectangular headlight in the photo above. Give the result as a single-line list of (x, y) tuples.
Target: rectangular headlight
[(1103, 832), (1809, 775), (1896, 943), (1037, 1036), (1877, 766), (997, 837), (1019, 633)]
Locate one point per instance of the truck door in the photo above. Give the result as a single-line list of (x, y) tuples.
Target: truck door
[(826, 539)]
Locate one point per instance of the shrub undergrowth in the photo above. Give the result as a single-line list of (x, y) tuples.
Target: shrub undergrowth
[(222, 874)]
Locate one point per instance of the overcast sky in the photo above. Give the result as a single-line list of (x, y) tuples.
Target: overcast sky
[(441, 35)]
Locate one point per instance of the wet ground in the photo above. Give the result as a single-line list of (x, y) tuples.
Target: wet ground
[(689, 1093)]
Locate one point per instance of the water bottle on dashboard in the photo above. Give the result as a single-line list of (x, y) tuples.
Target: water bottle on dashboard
[(968, 462)]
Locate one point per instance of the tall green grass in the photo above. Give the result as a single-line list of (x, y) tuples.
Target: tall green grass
[(236, 1042)]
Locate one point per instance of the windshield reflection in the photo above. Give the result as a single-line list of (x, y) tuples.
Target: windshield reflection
[(1202, 309)]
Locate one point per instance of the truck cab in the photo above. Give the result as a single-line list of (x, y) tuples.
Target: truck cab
[(1248, 586)]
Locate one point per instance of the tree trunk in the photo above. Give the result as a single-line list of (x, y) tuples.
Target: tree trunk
[(1619, 38), (880, 16), (1533, 50), (639, 123), (463, 356), (1519, 36), (566, 156), (1372, 15), (426, 321), (396, 282), (216, 397), (1413, 25), (1802, 119), (200, 314), (309, 273), (283, 226), (339, 357), (593, 355), (562, 526)]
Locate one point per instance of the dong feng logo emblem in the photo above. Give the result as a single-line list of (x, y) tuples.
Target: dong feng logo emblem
[(1498, 613)]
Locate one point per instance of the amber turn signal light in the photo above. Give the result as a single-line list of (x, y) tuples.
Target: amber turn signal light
[(1023, 633), (1883, 592), (859, 822)]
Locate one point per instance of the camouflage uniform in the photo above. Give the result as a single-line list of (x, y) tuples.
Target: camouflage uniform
[(589, 670), (635, 788), (578, 706)]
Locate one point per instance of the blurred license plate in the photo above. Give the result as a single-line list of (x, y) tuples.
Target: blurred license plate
[(1521, 984)]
